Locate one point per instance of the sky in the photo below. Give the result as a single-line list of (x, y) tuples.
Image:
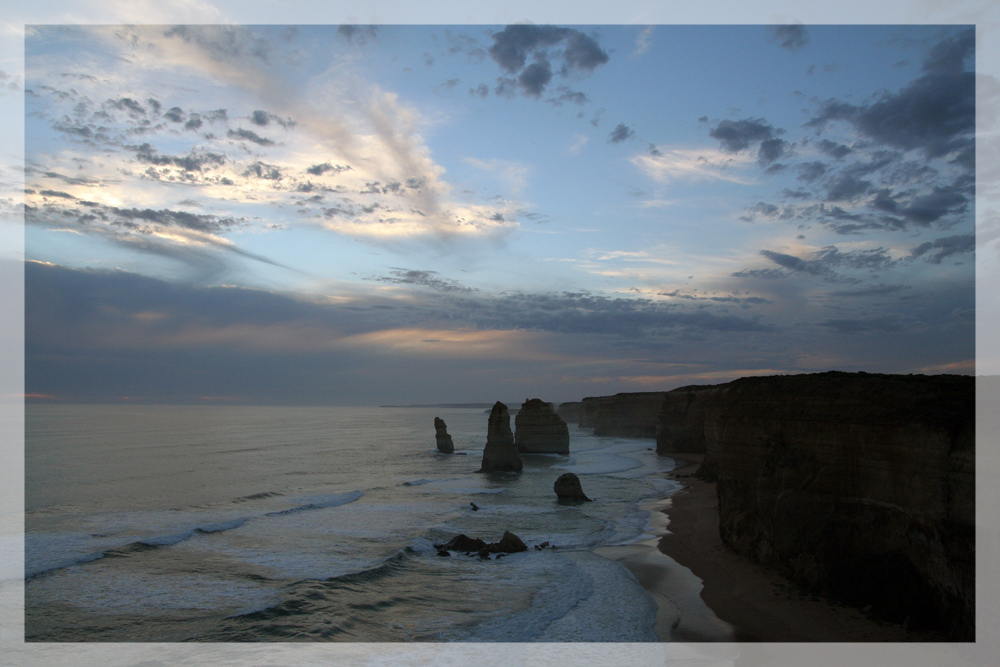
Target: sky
[(365, 215)]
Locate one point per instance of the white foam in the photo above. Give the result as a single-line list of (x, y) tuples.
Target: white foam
[(617, 610)]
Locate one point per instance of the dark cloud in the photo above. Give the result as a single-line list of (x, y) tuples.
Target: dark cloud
[(833, 149), (939, 249), (846, 187), (766, 274), (737, 135), (482, 90), (791, 37), (810, 171), (534, 78), (579, 53), (248, 135), (771, 150), (935, 113), (265, 118), (620, 134), (174, 115), (194, 161), (941, 201), (203, 223), (320, 169), (56, 193), (194, 122), (823, 262), (567, 95), (263, 170), (424, 279), (361, 33)]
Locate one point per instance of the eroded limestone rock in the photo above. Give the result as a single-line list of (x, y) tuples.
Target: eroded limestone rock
[(539, 430), (500, 453), (568, 487), (444, 442)]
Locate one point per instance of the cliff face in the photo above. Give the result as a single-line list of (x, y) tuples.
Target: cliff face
[(570, 411), (680, 424), (539, 430), (858, 486), (500, 453), (632, 415)]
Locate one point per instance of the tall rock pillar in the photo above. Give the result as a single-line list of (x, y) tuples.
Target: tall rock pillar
[(500, 454)]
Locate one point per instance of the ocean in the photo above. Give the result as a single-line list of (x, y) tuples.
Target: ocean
[(317, 524)]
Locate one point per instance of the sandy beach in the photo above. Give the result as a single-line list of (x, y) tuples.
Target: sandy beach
[(738, 600)]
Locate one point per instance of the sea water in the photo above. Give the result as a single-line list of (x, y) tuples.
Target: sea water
[(236, 523)]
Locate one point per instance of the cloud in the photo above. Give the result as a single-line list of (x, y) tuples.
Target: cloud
[(822, 263), (833, 149), (535, 77), (580, 54), (248, 135), (423, 278), (680, 163), (945, 247), (264, 118), (620, 134), (643, 41), (792, 37), (735, 136), (935, 113), (771, 150)]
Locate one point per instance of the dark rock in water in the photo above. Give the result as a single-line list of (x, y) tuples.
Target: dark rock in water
[(444, 442), (568, 487), (509, 543), (475, 507), (500, 453), (462, 543), (539, 430)]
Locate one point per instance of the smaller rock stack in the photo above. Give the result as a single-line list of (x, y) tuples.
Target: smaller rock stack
[(500, 453), (568, 487), (540, 430), (444, 442)]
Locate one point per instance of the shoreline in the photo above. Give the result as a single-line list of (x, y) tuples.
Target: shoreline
[(744, 601)]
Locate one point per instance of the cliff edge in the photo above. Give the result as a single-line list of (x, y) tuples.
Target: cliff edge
[(858, 486)]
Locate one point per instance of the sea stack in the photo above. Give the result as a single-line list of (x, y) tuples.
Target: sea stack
[(568, 487), (500, 454), (540, 430), (444, 442)]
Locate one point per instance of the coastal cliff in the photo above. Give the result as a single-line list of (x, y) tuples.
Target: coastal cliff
[(539, 430), (680, 424), (857, 486), (629, 415)]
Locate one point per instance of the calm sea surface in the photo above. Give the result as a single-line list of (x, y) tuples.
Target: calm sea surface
[(183, 523)]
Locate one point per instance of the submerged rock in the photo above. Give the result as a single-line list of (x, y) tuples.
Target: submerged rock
[(568, 487), (500, 453), (509, 543), (539, 430), (462, 542), (444, 442)]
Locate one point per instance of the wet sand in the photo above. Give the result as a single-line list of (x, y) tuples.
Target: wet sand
[(739, 600)]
